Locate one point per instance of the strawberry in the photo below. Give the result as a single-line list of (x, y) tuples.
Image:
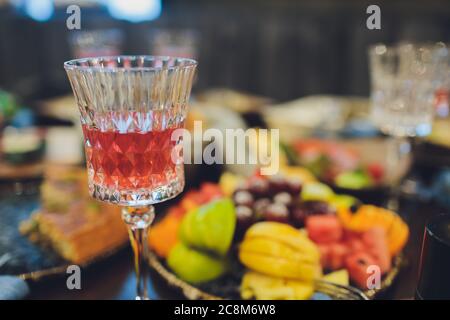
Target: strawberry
[(376, 171), (211, 191)]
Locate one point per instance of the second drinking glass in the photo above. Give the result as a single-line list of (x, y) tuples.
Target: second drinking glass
[(403, 87)]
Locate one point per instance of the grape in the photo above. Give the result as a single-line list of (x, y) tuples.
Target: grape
[(260, 205), (283, 198), (294, 186), (244, 217), (276, 212), (277, 184), (298, 216), (244, 214), (243, 197), (259, 188)]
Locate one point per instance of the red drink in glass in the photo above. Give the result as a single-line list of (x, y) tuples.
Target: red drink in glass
[(130, 106), (131, 162)]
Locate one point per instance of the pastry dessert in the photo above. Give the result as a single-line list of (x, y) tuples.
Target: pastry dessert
[(76, 227)]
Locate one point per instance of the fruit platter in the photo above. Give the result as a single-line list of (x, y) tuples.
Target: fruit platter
[(286, 237)]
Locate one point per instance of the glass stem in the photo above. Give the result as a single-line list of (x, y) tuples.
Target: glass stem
[(138, 221), (398, 164)]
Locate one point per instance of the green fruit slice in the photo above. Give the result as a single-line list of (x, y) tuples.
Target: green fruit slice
[(353, 180), (194, 266), (210, 227), (316, 191), (343, 201)]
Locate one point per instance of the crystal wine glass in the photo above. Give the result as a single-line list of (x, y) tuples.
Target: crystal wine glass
[(130, 106), (403, 85)]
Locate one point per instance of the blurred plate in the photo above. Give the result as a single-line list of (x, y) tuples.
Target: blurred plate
[(219, 118), (434, 150), (63, 108), (22, 153), (227, 287), (440, 134), (19, 256), (321, 115), (237, 101), (20, 173)]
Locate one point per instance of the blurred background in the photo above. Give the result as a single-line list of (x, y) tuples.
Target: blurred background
[(280, 49)]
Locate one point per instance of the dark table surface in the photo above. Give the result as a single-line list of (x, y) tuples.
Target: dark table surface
[(114, 277)]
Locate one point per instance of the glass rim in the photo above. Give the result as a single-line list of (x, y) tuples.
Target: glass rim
[(385, 47), (73, 64), (431, 225)]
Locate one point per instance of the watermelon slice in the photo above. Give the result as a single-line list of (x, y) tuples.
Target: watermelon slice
[(324, 229), (337, 255), (375, 240), (357, 264), (324, 255), (352, 240)]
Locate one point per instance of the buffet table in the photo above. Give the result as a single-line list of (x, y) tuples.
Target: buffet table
[(114, 278)]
